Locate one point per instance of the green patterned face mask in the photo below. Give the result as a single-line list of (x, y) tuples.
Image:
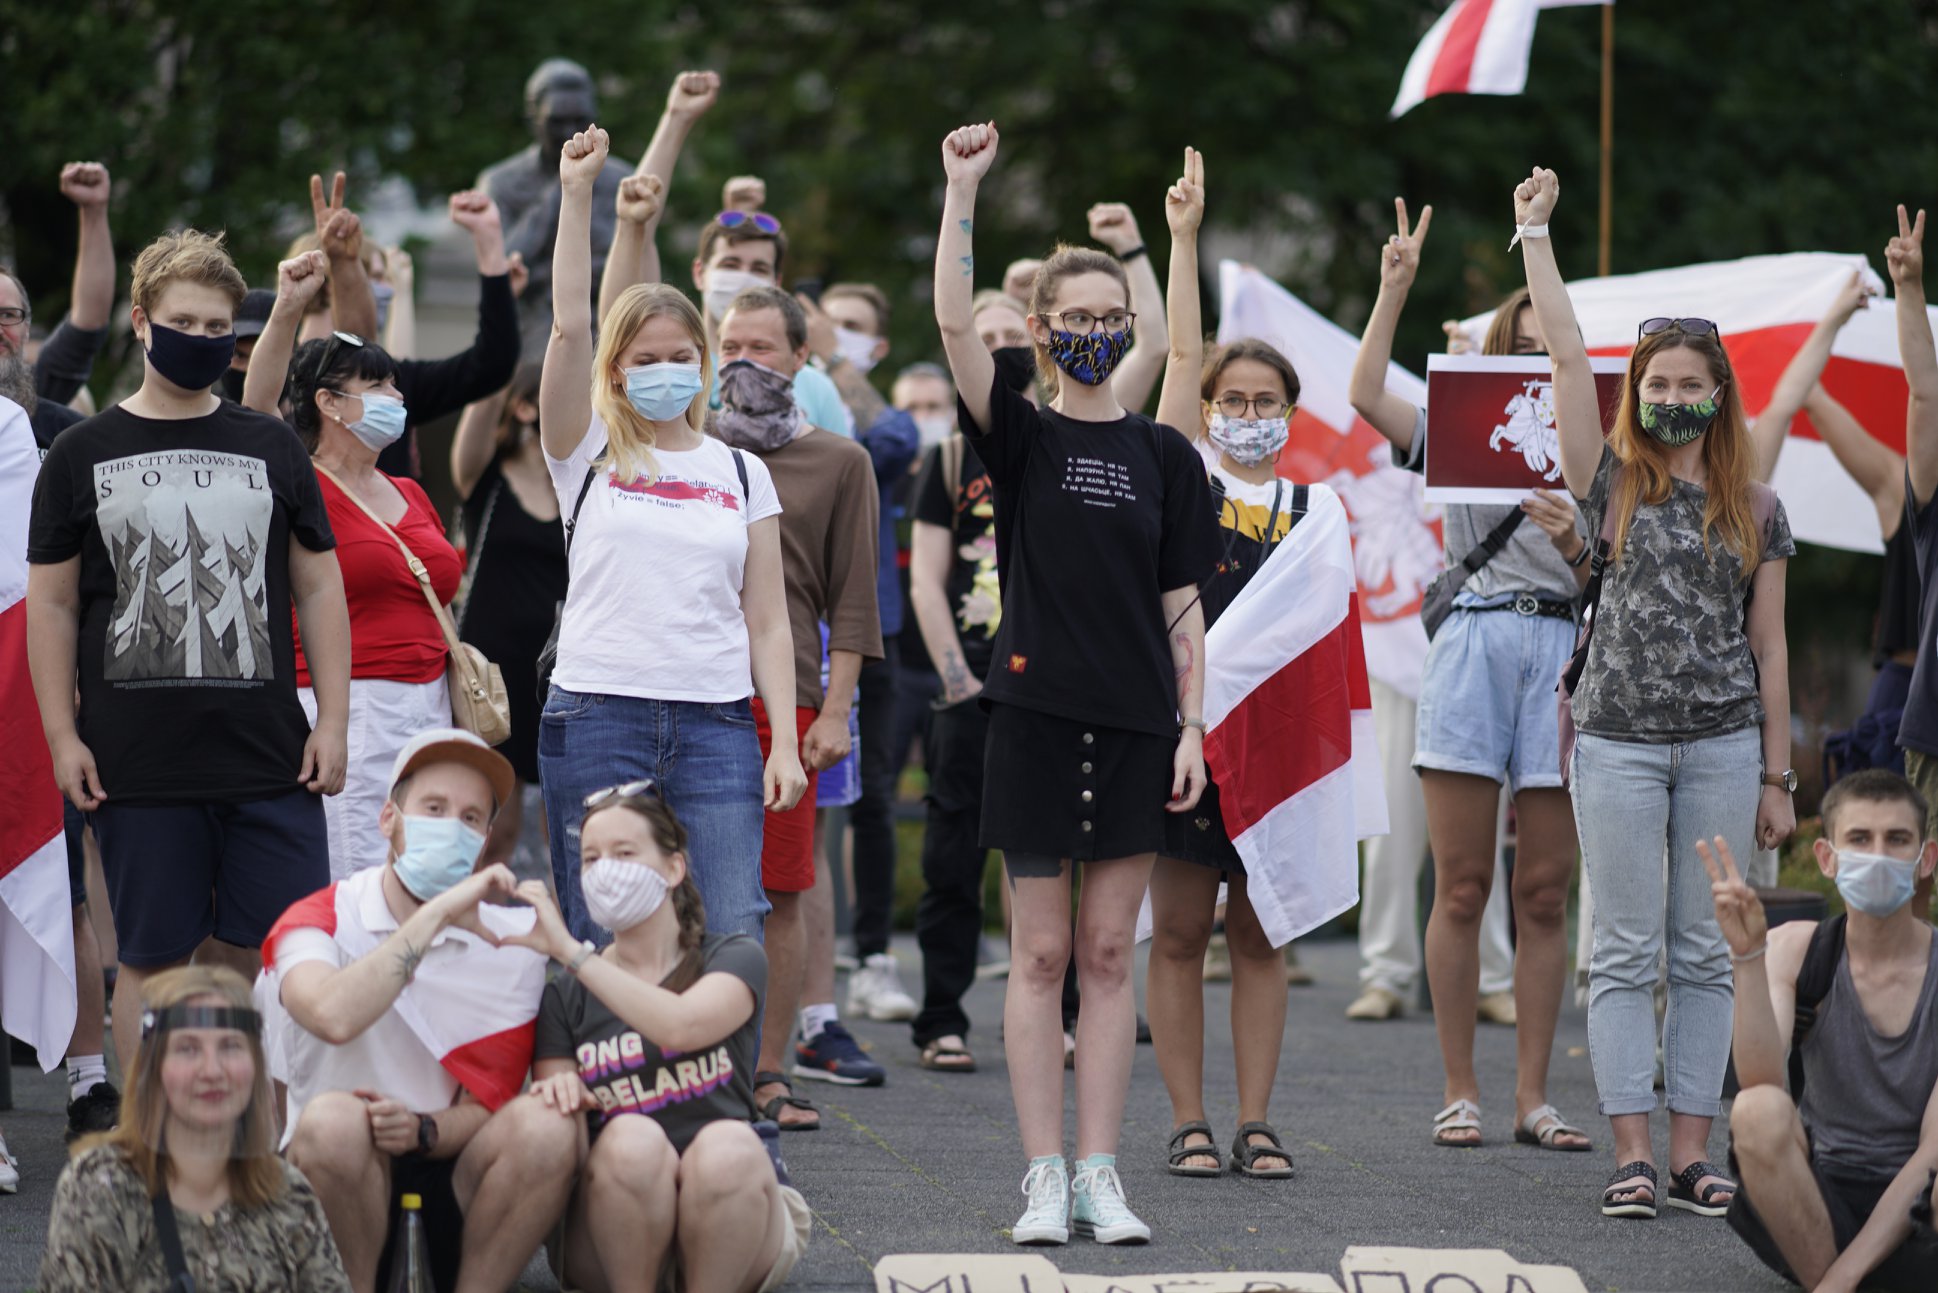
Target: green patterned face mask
[(1678, 424)]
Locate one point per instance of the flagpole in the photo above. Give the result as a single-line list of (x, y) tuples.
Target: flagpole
[(1608, 137)]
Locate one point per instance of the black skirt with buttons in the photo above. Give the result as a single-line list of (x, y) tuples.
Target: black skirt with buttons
[(1063, 788), (1199, 835)]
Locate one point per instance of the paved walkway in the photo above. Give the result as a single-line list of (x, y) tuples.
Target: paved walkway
[(930, 1162)]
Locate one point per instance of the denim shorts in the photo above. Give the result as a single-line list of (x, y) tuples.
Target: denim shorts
[(1487, 700)]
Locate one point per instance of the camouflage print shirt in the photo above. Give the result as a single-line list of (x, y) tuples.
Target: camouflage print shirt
[(1670, 660), (102, 1236)]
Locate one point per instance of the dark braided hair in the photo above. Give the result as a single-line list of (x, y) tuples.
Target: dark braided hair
[(309, 373), (688, 907)]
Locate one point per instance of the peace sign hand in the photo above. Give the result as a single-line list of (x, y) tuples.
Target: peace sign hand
[(1738, 910), (337, 228), (582, 158), (1905, 254), (1399, 260), (1184, 202)]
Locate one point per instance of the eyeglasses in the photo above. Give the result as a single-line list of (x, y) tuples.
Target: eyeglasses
[(1265, 406), (13, 316), (758, 219), (1694, 327), (616, 794), (1082, 323)]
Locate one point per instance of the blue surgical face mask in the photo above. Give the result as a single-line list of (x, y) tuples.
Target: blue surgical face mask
[(662, 392), (439, 852), (1875, 883), (382, 423)]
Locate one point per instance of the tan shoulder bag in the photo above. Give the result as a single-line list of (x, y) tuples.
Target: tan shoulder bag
[(478, 701)]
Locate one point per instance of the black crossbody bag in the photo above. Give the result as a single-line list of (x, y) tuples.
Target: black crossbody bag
[(1437, 603), (179, 1280)]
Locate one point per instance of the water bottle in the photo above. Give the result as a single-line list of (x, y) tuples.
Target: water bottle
[(410, 1263)]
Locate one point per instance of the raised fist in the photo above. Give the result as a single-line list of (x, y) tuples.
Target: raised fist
[(1535, 197), (582, 158), (1113, 225), (744, 193), (1855, 295), (968, 153), (1905, 254), (692, 94), (300, 278), (399, 269), (474, 211), (640, 198), (1399, 259), (1184, 202), (85, 184)]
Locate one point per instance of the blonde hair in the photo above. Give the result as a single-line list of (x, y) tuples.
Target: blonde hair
[(255, 1173), (629, 436), (994, 298), (190, 256), (1726, 452)]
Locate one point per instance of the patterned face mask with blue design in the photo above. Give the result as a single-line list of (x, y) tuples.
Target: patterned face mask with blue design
[(1091, 358), (1248, 441), (1678, 424)]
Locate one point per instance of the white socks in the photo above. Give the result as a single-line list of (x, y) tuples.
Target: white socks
[(815, 1018), (84, 1073)]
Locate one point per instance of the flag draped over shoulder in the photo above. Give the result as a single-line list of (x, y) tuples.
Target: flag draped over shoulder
[(37, 982), (1289, 727)]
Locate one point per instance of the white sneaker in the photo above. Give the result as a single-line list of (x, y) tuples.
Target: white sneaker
[(9, 1170), (1100, 1211), (1047, 1218), (875, 991)]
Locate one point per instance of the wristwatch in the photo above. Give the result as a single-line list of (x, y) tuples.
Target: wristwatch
[(426, 1135), (1786, 779)]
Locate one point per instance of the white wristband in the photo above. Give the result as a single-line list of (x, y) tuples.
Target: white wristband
[(1527, 231)]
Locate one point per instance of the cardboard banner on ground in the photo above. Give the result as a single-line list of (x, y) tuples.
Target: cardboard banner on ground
[(966, 1273), (1205, 1282), (1490, 425), (1450, 1270)]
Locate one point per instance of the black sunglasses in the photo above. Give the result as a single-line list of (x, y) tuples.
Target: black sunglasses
[(618, 794), (1694, 327)]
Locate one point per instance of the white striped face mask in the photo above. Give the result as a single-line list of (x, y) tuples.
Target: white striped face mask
[(620, 893)]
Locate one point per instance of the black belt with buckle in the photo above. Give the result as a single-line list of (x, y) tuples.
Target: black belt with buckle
[(1529, 604)]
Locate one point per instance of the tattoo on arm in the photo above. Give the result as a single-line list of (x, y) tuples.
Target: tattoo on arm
[(1185, 657), (407, 962), (968, 265), (968, 226), (955, 674)]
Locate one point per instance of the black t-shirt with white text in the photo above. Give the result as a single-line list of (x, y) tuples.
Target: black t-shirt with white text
[(974, 595), (1094, 521), (186, 660), (627, 1073)]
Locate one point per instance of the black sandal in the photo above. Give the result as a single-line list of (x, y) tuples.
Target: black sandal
[(1632, 1206), (1244, 1153), (1179, 1151), (1683, 1193), (772, 1109)]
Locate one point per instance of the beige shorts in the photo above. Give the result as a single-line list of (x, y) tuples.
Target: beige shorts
[(792, 1213)]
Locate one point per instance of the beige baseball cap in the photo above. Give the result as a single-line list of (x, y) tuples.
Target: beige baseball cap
[(455, 745)]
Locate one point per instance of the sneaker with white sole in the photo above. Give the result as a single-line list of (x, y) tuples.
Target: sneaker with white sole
[(9, 1170), (1097, 1206), (1047, 1218), (875, 991)]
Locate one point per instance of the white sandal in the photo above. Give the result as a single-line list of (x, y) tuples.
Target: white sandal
[(1461, 1115), (1526, 1134)]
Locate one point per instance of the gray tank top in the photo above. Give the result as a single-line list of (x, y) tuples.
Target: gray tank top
[(1865, 1094)]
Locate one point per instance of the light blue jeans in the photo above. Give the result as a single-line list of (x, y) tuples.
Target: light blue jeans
[(1633, 800)]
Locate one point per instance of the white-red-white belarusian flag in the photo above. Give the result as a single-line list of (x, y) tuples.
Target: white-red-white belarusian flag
[(1395, 534), (1477, 47), (37, 993), (1289, 727), (1765, 306)]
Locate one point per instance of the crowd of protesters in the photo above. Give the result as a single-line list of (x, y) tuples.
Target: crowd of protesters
[(678, 603)]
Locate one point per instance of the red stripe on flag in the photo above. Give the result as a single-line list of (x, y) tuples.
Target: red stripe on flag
[(1289, 731), (1453, 68), (318, 911), (493, 1068), (32, 813)]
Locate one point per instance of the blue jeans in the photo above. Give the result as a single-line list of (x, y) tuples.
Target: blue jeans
[(706, 761), (1633, 800)]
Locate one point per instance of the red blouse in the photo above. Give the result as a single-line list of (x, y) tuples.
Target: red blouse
[(392, 631)]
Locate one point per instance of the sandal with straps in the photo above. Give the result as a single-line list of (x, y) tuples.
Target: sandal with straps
[(1179, 1151), (1526, 1133), (1461, 1115), (1684, 1194), (772, 1109), (1244, 1153), (1613, 1205)]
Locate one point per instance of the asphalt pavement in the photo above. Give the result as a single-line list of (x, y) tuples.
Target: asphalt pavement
[(930, 1162)]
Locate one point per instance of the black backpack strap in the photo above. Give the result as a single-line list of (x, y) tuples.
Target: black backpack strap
[(1813, 985), (1490, 546), (584, 489), (740, 465), (179, 1280)]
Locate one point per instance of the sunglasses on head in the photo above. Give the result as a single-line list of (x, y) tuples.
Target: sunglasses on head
[(618, 794), (1694, 327), (338, 340), (758, 219)]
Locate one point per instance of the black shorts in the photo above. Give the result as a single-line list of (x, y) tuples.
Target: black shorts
[(1063, 788), (1199, 835), (1911, 1268), (178, 873), (72, 825), (430, 1180)]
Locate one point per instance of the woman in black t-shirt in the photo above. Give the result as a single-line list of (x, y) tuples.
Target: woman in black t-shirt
[(661, 1025), (1104, 528)]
